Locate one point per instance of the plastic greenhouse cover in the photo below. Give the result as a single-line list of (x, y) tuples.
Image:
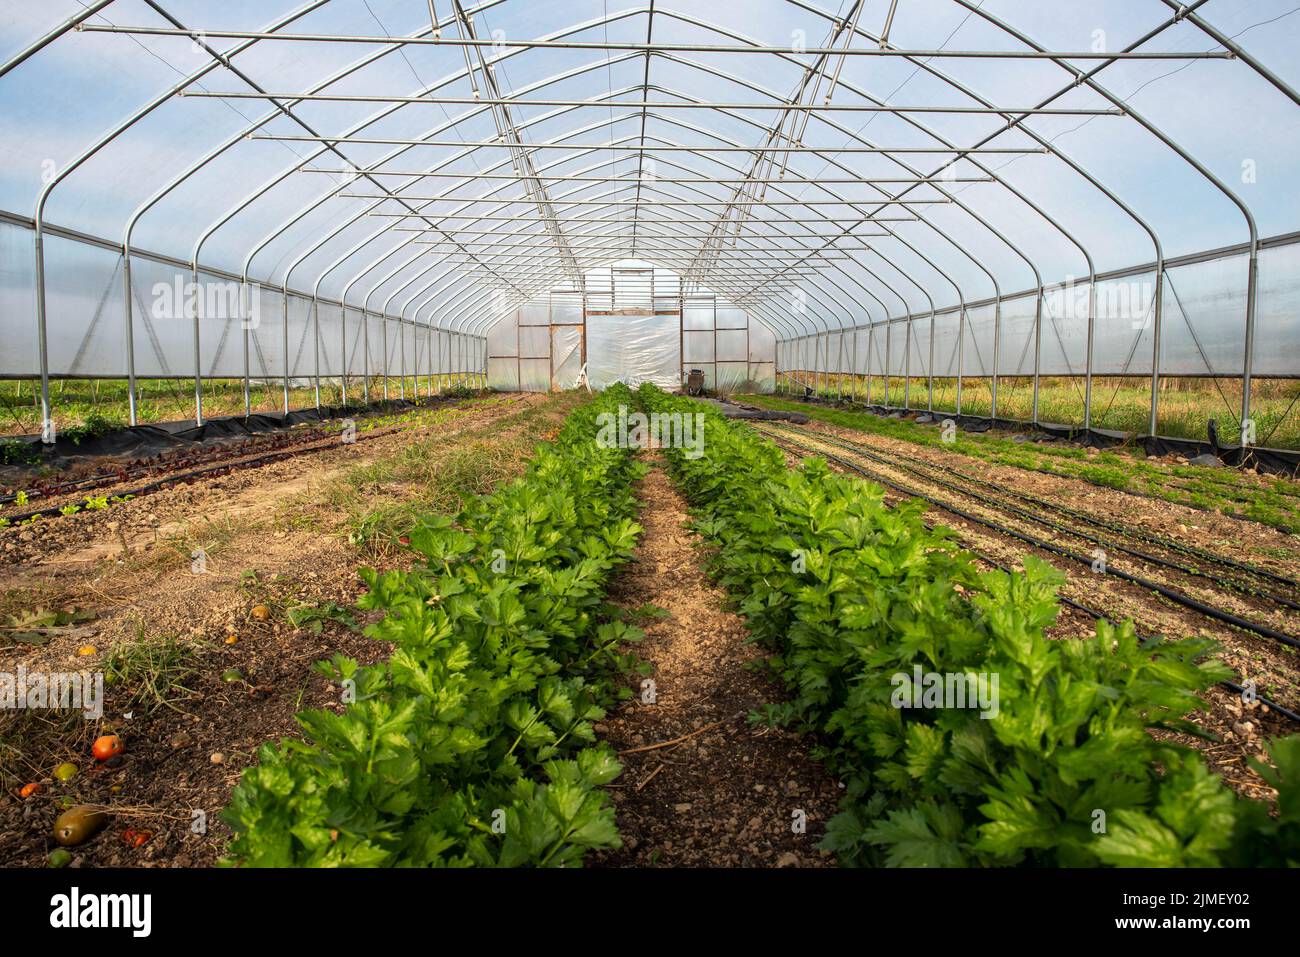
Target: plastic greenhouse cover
[(92, 122), (632, 349)]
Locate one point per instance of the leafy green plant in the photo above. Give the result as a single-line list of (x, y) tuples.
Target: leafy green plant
[(15, 452), (313, 617), (153, 672), (94, 426), (473, 744), (853, 598)]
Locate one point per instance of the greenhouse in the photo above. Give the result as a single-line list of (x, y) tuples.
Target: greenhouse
[(756, 433)]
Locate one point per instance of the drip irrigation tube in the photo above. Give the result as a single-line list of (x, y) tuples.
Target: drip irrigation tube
[(178, 477), (1101, 523), (1232, 584), (1098, 616)]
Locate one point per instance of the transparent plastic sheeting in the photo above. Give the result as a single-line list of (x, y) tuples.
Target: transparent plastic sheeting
[(734, 352), (633, 349), (1166, 152), (88, 335), (1201, 329)]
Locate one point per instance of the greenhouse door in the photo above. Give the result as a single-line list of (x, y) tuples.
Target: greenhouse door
[(634, 349), (566, 356)]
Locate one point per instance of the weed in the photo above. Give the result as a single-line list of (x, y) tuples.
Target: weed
[(152, 673)]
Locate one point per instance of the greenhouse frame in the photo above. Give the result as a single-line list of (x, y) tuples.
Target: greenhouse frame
[(362, 240)]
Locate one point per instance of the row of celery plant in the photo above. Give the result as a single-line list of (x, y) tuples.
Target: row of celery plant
[(850, 596), (473, 743)]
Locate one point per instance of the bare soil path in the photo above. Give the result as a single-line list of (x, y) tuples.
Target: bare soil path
[(728, 794)]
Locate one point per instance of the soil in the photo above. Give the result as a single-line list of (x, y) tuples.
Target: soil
[(274, 543), (725, 793)]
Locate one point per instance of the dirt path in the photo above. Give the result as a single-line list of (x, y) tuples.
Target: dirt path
[(729, 796)]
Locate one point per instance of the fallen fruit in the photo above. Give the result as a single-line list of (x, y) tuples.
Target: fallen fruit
[(65, 772), (78, 824), (218, 758), (404, 539), (261, 612), (232, 674), (28, 790), (59, 857), (87, 650), (231, 639), (136, 838), (107, 746)]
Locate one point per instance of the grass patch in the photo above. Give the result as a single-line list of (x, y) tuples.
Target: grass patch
[(82, 407), (152, 673), (1186, 403), (33, 743)]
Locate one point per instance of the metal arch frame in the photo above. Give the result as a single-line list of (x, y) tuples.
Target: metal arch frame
[(707, 132), (468, 200), (1182, 10), (555, 77), (724, 286), (266, 188), (211, 229), (1008, 185), (549, 79), (1188, 12), (194, 168), (1093, 181), (71, 23), (286, 305), (1081, 77), (86, 154), (328, 147), (865, 95), (833, 160), (1252, 279), (979, 219)]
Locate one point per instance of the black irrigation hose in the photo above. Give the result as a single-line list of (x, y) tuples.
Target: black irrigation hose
[(175, 478), (321, 431), (1028, 516), (1232, 584), (1098, 616), (113, 478), (1175, 596), (1050, 471), (1272, 705), (1091, 519)]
